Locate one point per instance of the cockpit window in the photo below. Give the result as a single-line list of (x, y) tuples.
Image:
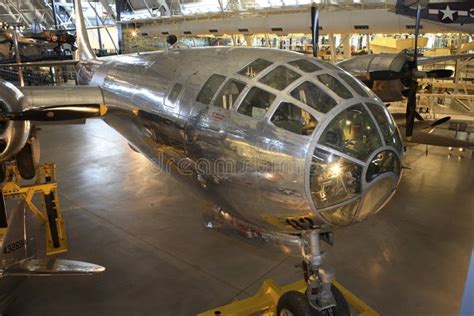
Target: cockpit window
[(304, 65), (352, 132), (313, 96), (254, 68), (256, 103), (385, 161), (280, 78), (173, 95), (388, 129), (294, 119), (229, 94), (335, 85), (354, 84), (333, 179), (209, 89)]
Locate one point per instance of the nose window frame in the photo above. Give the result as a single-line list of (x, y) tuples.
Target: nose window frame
[(251, 103), (218, 101), (291, 117)]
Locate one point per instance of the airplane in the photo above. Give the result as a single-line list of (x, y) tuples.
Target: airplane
[(33, 46), (457, 15), (54, 36), (282, 146)]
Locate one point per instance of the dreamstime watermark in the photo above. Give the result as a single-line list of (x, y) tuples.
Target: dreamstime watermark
[(267, 165)]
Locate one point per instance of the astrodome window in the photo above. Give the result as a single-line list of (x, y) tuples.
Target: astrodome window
[(314, 96), (229, 93), (335, 85), (256, 103), (210, 88), (304, 65), (352, 132), (294, 119), (280, 78), (354, 85), (333, 179), (385, 161), (387, 127), (254, 68)]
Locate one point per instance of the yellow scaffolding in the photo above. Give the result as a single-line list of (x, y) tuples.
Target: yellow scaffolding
[(49, 213)]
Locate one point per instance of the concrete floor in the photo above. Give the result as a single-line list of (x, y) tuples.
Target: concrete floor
[(410, 259)]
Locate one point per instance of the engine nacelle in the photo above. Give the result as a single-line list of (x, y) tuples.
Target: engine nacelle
[(397, 66), (13, 134)]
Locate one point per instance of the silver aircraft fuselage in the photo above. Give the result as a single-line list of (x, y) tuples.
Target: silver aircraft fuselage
[(245, 164)]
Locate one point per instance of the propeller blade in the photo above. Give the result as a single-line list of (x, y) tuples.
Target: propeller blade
[(384, 75), (439, 73), (56, 113), (438, 122), (315, 28), (418, 116), (411, 110), (417, 32), (441, 121), (411, 102)]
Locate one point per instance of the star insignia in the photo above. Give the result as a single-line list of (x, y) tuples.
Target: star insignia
[(448, 15)]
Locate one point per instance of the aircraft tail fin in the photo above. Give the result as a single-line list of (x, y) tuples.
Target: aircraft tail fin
[(53, 266), (84, 50), (13, 243)]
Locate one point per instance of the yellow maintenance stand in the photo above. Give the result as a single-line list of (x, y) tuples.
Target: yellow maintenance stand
[(265, 301), (49, 213)]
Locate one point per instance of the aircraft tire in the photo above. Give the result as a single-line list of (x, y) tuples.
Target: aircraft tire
[(25, 162), (296, 304)]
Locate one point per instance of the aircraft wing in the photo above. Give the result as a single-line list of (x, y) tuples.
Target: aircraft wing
[(426, 138), (438, 59), (44, 267), (53, 104), (449, 12), (422, 135)]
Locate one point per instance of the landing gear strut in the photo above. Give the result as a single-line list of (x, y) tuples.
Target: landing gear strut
[(321, 298)]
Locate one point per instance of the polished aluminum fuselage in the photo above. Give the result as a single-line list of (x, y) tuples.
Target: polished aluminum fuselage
[(249, 168)]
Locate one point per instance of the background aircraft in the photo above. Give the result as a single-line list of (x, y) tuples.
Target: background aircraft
[(37, 46), (457, 15)]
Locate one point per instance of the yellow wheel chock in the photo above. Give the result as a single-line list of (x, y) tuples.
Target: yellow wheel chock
[(266, 299)]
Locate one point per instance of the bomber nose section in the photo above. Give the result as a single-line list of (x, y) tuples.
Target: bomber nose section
[(355, 167)]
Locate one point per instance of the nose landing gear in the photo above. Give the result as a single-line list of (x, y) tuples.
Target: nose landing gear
[(322, 298)]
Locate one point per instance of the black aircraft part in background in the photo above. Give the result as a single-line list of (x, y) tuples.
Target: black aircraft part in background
[(449, 12)]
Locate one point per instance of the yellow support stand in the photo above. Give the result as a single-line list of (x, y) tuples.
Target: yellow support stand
[(49, 213), (266, 299)]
